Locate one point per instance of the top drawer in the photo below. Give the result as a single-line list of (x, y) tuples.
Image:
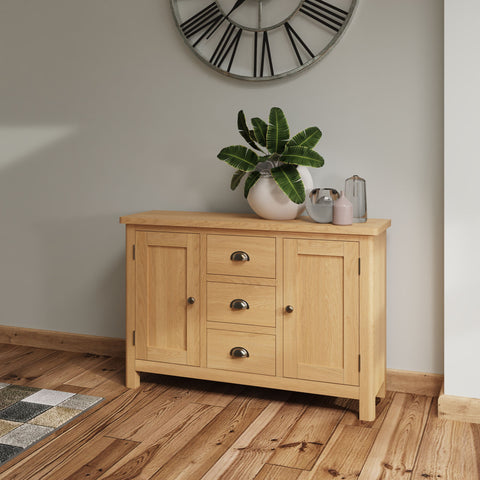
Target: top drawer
[(243, 256)]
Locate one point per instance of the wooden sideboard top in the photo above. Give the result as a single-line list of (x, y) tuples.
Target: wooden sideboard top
[(245, 221)]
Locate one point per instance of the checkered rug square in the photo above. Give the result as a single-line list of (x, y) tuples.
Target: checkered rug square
[(27, 415)]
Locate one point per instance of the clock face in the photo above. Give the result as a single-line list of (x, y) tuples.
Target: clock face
[(261, 39)]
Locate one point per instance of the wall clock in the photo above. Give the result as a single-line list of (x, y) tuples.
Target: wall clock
[(261, 39)]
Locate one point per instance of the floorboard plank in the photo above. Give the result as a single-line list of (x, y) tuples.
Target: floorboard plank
[(196, 458), (145, 460), (307, 439), (449, 450), (344, 454), (394, 452), (276, 472), (244, 459)]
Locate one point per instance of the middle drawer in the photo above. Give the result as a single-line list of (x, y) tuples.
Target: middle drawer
[(241, 304)]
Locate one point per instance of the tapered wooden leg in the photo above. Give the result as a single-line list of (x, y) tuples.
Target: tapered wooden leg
[(132, 379), (382, 391), (367, 411)]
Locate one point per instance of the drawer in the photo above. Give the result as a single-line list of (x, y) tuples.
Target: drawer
[(259, 260), (260, 348), (225, 299)]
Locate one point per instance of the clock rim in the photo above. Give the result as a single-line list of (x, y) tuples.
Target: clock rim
[(300, 68)]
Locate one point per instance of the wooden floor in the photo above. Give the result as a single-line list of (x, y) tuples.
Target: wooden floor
[(173, 428)]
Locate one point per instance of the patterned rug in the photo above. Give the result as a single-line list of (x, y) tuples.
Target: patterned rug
[(27, 415)]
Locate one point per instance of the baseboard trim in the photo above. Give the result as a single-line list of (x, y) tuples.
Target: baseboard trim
[(69, 342), (459, 409), (397, 380), (414, 382)]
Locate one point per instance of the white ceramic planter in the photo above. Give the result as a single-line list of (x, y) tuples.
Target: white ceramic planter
[(267, 199)]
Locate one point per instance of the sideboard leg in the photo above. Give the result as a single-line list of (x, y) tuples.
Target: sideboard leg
[(132, 379), (367, 408), (382, 391)]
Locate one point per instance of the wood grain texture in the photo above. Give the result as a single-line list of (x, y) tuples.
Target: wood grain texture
[(344, 455), (275, 472), (176, 428), (251, 222), (260, 301), (449, 450), (394, 452), (201, 453), (69, 342), (260, 250), (460, 409)]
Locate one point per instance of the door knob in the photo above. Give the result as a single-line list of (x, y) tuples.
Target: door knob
[(289, 309), (239, 256), (239, 352), (239, 304), (191, 300)]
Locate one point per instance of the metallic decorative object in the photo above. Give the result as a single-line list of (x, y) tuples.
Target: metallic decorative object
[(319, 204), (239, 352), (261, 39), (356, 192), (239, 257), (239, 304)]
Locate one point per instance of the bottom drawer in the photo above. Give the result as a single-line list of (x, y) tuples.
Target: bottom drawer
[(260, 349)]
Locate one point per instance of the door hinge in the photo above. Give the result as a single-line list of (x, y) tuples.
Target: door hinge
[(359, 363), (133, 337), (359, 266), (133, 249)]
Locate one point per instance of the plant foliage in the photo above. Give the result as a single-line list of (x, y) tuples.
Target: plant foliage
[(282, 155)]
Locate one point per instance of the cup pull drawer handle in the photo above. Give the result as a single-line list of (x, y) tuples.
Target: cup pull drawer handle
[(239, 352), (239, 304), (239, 256)]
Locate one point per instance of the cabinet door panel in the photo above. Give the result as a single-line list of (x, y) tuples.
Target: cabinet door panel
[(321, 334), (167, 271)]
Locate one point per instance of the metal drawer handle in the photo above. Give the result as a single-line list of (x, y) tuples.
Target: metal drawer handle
[(239, 256), (191, 300), (239, 352), (239, 304), (289, 309)]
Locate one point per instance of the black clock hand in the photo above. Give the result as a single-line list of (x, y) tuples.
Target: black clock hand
[(238, 3)]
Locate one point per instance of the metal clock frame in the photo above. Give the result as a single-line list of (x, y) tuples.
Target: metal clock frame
[(307, 64)]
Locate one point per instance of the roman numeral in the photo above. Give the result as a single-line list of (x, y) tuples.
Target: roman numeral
[(266, 55), (325, 13), (294, 38), (228, 43), (204, 20)]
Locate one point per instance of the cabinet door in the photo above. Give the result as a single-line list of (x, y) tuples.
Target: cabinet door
[(167, 274), (321, 334)]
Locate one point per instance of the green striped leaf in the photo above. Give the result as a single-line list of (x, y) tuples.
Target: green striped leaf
[(239, 157), (236, 179), (260, 129), (302, 156), (245, 131), (278, 132), (288, 179), (250, 182), (308, 138)]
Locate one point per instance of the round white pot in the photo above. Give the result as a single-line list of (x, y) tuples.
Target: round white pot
[(267, 199)]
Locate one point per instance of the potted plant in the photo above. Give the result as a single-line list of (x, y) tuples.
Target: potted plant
[(275, 178)]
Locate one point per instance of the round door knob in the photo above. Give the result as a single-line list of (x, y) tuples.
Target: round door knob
[(239, 304), (191, 300), (289, 309), (239, 256), (239, 352)]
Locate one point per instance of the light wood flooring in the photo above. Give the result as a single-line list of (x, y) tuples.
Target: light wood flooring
[(173, 428)]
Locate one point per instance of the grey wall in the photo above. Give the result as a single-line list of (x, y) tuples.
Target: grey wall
[(104, 112)]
